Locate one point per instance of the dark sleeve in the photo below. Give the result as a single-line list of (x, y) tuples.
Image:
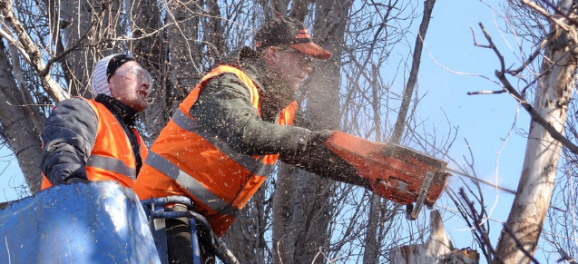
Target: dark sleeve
[(224, 108), (68, 136), (317, 158)]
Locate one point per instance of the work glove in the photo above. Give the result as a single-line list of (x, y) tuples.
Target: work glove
[(317, 158), (76, 180), (78, 176), (396, 173)]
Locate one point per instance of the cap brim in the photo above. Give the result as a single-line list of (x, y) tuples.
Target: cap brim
[(312, 50)]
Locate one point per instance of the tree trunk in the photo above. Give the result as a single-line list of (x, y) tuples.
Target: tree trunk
[(553, 92), (283, 215), (87, 22), (18, 128), (78, 64), (311, 201), (216, 45), (185, 50), (246, 237), (372, 243), (150, 50)]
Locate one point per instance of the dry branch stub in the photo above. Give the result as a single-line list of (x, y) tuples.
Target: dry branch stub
[(438, 249)]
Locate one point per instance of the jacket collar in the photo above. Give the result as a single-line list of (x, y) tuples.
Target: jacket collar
[(122, 111), (251, 63)]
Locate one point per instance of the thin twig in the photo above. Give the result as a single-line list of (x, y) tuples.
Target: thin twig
[(530, 59), (487, 92), (546, 14), (476, 222), (525, 104), (565, 257), (558, 12)]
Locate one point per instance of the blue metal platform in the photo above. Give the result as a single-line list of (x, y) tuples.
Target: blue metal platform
[(99, 222)]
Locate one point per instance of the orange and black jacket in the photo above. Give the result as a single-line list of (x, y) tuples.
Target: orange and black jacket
[(91, 140), (222, 142), (224, 139)]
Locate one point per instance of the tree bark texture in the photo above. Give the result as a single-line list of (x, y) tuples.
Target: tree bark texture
[(185, 49), (151, 51), (309, 196), (85, 25), (246, 237), (553, 92), (18, 129)]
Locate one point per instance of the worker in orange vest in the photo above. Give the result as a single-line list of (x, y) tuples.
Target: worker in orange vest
[(225, 137), (96, 140)]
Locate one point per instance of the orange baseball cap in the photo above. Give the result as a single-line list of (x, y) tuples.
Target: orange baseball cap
[(289, 31)]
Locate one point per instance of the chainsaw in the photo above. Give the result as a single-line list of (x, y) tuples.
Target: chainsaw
[(396, 173)]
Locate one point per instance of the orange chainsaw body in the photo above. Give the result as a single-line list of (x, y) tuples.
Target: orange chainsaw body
[(396, 173)]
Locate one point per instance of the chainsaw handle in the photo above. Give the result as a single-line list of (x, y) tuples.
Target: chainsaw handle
[(412, 211)]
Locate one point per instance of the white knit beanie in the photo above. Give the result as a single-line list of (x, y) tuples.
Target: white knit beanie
[(99, 79)]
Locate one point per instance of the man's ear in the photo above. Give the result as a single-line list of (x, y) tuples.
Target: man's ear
[(111, 88), (271, 54)]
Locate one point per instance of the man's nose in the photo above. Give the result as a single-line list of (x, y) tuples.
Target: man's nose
[(307, 67)]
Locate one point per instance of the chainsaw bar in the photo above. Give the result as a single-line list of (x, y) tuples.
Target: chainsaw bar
[(479, 180)]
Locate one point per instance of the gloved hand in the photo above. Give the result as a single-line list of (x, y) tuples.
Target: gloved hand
[(317, 158), (317, 138), (395, 172), (76, 180), (78, 176)]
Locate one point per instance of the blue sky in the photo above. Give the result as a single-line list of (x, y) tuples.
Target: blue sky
[(10, 176), (484, 120)]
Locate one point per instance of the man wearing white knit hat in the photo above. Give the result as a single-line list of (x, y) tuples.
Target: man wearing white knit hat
[(96, 140)]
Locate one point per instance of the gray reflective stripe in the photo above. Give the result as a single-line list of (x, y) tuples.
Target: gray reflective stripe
[(111, 164), (191, 184), (249, 163)]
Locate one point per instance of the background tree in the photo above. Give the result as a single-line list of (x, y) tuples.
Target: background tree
[(547, 73), (553, 91)]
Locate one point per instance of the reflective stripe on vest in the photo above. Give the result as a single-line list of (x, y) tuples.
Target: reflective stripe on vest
[(111, 164), (202, 164), (193, 186), (111, 156), (249, 163)]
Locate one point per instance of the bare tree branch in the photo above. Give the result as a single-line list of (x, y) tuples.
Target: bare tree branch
[(501, 74), (476, 224), (408, 92), (32, 53)]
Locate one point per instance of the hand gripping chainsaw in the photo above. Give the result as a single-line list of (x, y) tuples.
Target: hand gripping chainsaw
[(396, 173)]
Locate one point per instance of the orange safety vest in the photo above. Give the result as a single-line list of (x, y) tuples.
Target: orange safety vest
[(187, 159), (112, 156)]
